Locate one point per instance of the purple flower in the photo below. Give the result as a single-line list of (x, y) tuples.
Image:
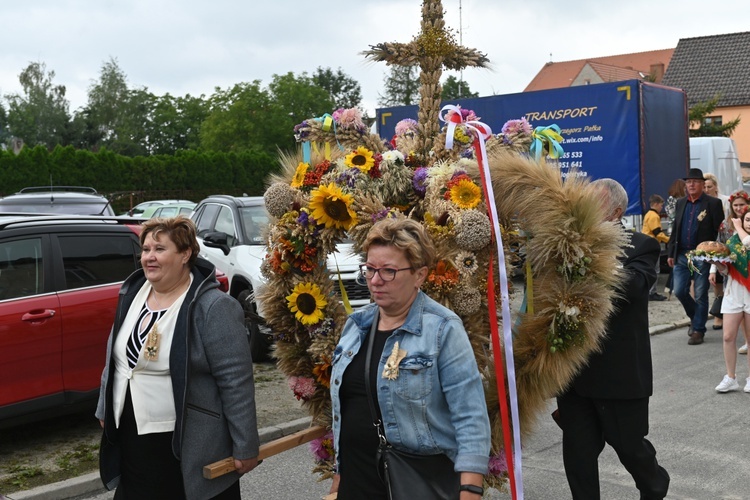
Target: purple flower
[(322, 448), (407, 125), (303, 219), (382, 214), (468, 115), (498, 465), (419, 180), (348, 177), (301, 131), (515, 127)]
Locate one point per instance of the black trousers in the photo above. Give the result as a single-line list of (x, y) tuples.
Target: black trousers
[(588, 424), (149, 469)]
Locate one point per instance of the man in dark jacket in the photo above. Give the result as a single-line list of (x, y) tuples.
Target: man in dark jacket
[(608, 400), (697, 219)]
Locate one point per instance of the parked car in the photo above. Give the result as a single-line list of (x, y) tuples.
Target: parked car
[(59, 281), (70, 200), (230, 236), (169, 210), (139, 209)]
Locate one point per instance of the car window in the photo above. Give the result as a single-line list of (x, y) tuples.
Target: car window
[(166, 212), (205, 219), (186, 211), (59, 208), (254, 219), (225, 224), (98, 259), (21, 271)]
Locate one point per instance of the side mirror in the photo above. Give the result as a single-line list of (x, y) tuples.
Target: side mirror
[(217, 240)]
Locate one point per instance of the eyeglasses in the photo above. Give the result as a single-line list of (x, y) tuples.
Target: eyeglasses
[(385, 273)]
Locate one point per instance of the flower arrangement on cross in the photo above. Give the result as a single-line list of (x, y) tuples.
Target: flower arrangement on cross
[(343, 179)]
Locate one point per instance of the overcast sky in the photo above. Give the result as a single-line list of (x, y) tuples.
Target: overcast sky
[(190, 47)]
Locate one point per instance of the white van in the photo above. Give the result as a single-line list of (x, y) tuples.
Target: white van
[(718, 156)]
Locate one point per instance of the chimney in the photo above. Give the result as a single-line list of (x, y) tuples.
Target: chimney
[(657, 72)]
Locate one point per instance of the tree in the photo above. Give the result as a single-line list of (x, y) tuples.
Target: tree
[(236, 118), (40, 115), (249, 117), (4, 132), (706, 128), (453, 88), (342, 90), (401, 87), (107, 100), (293, 99)]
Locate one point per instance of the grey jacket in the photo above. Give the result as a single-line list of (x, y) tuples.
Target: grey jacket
[(212, 382)]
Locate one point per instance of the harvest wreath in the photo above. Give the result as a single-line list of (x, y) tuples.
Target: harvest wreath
[(344, 179)]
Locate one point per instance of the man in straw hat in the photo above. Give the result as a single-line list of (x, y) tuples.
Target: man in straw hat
[(697, 219)]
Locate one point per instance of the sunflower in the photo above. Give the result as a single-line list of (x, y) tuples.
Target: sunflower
[(299, 174), (362, 159), (331, 207), (466, 194), (307, 303)]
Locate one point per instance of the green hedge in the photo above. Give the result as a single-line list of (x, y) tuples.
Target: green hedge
[(188, 174)]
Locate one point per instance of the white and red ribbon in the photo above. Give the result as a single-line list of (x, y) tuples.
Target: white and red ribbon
[(481, 133)]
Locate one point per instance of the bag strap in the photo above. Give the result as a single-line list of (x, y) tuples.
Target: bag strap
[(368, 360)]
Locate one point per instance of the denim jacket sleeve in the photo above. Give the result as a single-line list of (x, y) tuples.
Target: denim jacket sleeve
[(464, 394)]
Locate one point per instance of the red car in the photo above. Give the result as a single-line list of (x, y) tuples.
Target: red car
[(59, 282)]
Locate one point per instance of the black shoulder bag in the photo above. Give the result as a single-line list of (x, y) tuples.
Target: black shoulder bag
[(409, 476)]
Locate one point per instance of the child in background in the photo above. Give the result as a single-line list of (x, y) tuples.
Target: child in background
[(652, 227)]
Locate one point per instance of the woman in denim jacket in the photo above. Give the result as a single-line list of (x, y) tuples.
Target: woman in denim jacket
[(424, 376)]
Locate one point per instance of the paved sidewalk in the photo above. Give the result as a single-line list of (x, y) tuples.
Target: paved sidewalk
[(90, 483)]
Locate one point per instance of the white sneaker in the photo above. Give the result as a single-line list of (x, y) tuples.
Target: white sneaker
[(743, 349), (727, 384), (747, 385)]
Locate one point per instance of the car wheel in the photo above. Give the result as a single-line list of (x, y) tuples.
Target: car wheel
[(260, 344)]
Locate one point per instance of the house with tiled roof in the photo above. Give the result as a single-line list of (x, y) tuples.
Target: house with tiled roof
[(650, 66), (707, 66)]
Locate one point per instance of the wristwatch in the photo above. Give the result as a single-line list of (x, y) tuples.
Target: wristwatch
[(472, 488)]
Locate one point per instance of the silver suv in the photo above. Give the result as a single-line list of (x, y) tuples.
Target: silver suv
[(230, 235), (69, 200)]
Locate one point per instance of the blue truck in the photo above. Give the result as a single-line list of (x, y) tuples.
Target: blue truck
[(632, 131)]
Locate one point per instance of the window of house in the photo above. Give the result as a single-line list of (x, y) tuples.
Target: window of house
[(712, 120)]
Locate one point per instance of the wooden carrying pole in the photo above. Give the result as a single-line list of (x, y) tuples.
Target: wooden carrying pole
[(269, 449)]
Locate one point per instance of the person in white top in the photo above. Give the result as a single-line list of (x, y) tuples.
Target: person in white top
[(177, 391), (736, 304)]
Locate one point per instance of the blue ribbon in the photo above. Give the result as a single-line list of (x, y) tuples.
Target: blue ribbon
[(546, 136)]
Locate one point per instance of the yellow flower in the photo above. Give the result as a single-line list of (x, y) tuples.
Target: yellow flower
[(299, 174), (466, 194), (331, 207), (307, 303), (362, 159)]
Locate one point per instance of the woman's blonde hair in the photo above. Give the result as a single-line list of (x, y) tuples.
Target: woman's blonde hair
[(711, 177), (407, 235), (180, 230)]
